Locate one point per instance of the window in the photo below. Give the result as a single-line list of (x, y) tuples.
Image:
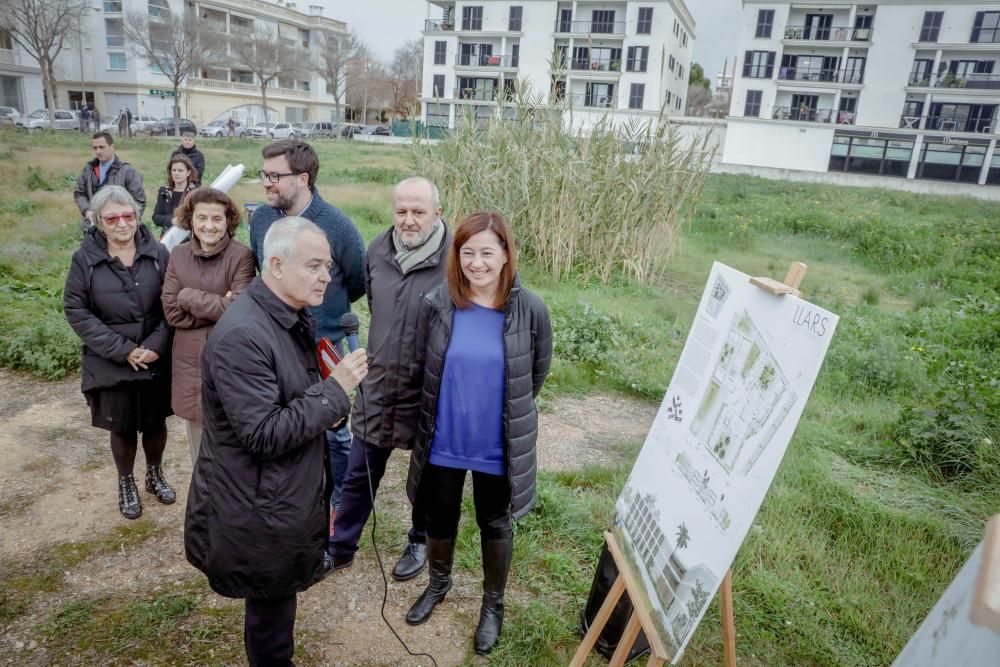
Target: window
[(932, 26), (155, 69), (669, 97), (472, 18), (304, 85), (112, 6), (515, 55), (644, 25), (680, 71), (635, 95), (440, 53), (158, 9), (600, 95), (684, 39), (751, 108), (241, 76), (672, 62), (986, 27), (602, 21), (676, 26), (758, 64), (438, 86), (514, 22), (680, 103), (637, 59), (117, 61), (113, 30), (765, 21)]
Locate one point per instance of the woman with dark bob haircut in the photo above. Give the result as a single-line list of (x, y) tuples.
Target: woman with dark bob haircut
[(204, 277), (485, 345), (112, 301), (182, 178)]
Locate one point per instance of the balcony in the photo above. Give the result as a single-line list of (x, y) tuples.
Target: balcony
[(236, 86), (485, 60), (821, 74), (596, 64), (439, 26), (10, 57), (805, 114), (479, 94), (610, 28), (593, 101), (967, 81), (947, 124), (833, 34)]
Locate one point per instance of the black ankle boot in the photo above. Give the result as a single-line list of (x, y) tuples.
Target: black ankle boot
[(158, 486), (128, 497), (439, 557), (496, 566)]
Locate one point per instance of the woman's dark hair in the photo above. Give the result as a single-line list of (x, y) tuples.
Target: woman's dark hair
[(301, 157), (192, 172), (185, 211), (480, 221)]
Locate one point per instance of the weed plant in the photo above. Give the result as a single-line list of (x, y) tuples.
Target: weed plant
[(602, 204)]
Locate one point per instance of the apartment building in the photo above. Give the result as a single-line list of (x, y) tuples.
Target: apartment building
[(20, 77), (892, 88), (112, 76), (625, 59)]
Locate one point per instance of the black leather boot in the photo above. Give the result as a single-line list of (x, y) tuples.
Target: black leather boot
[(158, 486), (439, 557), (411, 562), (496, 566), (128, 498)]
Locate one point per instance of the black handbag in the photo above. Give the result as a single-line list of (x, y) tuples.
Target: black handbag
[(608, 640)]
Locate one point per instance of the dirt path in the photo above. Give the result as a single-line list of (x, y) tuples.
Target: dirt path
[(57, 484)]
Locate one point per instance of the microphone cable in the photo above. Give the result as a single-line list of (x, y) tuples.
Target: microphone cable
[(378, 556)]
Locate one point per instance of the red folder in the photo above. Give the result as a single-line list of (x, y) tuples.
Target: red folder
[(328, 355)]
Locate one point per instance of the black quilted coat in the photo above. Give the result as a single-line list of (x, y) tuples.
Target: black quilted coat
[(527, 342)]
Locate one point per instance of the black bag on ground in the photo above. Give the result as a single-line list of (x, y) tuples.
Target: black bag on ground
[(607, 642)]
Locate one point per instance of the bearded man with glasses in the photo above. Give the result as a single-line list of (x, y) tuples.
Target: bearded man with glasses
[(289, 179)]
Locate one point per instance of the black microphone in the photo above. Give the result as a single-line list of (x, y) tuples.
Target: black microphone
[(350, 323)]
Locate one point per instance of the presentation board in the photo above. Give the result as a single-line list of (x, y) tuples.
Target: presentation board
[(735, 398)]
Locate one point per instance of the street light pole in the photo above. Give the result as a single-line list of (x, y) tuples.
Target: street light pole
[(83, 77), (364, 113)]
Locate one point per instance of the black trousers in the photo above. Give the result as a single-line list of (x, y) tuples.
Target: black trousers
[(441, 493), (268, 631)]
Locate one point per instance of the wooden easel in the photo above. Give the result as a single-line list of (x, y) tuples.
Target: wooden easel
[(626, 581)]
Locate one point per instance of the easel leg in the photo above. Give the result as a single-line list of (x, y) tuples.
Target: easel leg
[(728, 622), (625, 643), (603, 614)]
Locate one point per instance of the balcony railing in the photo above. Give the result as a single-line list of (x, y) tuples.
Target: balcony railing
[(481, 94), (438, 26), (804, 113), (218, 84), (590, 27), (484, 60), (948, 80), (947, 124), (10, 57), (594, 101), (820, 74), (597, 64), (833, 34)]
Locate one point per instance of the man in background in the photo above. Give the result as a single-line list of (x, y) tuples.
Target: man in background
[(106, 168), (189, 150)]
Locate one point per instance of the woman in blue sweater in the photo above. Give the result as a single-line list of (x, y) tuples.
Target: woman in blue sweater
[(487, 345)]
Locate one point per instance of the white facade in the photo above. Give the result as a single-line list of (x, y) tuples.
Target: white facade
[(20, 78), (625, 59), (114, 76), (891, 88)]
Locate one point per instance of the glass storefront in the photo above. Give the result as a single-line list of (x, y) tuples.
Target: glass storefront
[(951, 162), (862, 155)]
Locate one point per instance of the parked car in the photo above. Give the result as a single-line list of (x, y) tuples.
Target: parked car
[(301, 130), (260, 130), (350, 129), (220, 128), (39, 120), (382, 131), (281, 131), (324, 129), (171, 127), (143, 123), (8, 115)]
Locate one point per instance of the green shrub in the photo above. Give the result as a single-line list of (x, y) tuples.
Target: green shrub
[(36, 181), (46, 346)]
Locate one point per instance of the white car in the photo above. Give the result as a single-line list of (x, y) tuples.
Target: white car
[(260, 130), (39, 120), (220, 128), (281, 131)]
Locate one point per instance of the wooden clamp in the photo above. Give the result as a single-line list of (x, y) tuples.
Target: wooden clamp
[(796, 272)]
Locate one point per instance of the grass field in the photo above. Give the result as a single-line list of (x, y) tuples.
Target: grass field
[(893, 470)]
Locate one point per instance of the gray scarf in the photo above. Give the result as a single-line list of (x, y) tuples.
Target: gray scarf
[(409, 258)]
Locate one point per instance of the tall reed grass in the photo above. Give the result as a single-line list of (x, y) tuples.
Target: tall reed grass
[(609, 201)]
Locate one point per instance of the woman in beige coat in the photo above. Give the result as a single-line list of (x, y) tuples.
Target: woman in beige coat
[(204, 276)]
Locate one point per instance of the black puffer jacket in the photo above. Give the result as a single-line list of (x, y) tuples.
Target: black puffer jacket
[(527, 340), (256, 521), (114, 309)]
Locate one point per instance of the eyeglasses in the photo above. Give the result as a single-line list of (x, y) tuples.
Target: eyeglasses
[(273, 177), (127, 218)]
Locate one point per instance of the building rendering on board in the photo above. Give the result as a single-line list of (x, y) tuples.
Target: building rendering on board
[(624, 60), (893, 88)]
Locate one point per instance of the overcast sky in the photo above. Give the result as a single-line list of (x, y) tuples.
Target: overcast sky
[(385, 24)]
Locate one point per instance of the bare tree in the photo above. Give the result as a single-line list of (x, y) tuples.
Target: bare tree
[(699, 100), (177, 46), (404, 83), (268, 56), (335, 52), (41, 27)]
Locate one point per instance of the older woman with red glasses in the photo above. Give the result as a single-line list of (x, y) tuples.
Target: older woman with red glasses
[(112, 301)]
